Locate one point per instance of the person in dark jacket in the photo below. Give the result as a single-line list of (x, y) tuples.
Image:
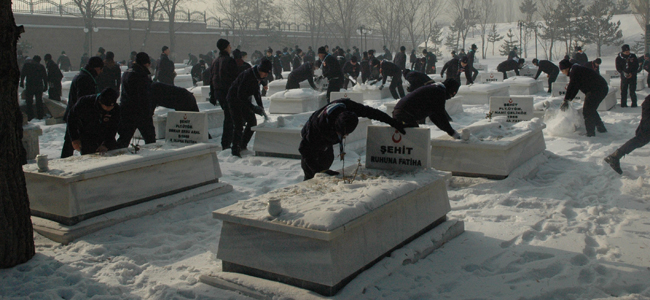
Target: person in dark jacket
[(416, 79), (512, 55), (646, 66), (64, 62), (304, 72), (310, 56), (593, 86), (510, 65), (594, 64), (580, 57), (387, 54), (132, 59), (197, 72), (428, 101), (85, 83), (245, 87), (101, 52), (297, 58), (54, 77), (36, 78), (551, 70), (451, 69), (470, 71), (277, 65), (269, 56), (84, 60), (166, 71), (365, 68), (390, 69), (135, 103), (627, 65), (641, 138), (331, 70), (351, 69), (174, 97), (238, 56), (400, 58), (329, 126), (224, 73), (193, 60), (111, 75), (413, 59), (93, 122), (431, 61), (286, 60)]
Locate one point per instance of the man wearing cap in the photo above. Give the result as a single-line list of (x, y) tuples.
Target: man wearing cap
[(297, 58), (331, 70), (595, 89), (451, 69), (166, 71), (136, 108), (470, 71), (400, 58), (510, 65), (224, 72), (351, 69), (641, 138), (386, 69), (36, 78), (416, 79), (64, 62), (277, 65), (594, 64), (54, 77), (627, 65), (302, 73), (579, 56), (551, 70), (83, 84), (242, 110), (329, 126), (93, 122), (428, 101)]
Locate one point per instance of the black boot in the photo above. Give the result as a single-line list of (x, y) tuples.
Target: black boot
[(236, 151), (614, 161), (601, 127)]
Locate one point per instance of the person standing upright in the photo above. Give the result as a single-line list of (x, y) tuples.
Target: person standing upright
[(166, 71), (224, 73), (111, 75), (54, 77), (332, 71), (297, 58), (627, 65), (470, 71), (431, 61), (36, 76), (277, 65), (64, 62), (136, 109), (579, 56), (400, 58), (513, 54)]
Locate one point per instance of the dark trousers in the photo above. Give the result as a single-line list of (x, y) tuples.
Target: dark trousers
[(642, 136), (313, 161), (505, 75), (551, 78), (364, 77), (242, 115), (590, 112), (67, 149), (278, 74), (470, 74), (396, 86), (292, 83), (29, 104), (628, 83), (129, 123), (431, 69), (54, 91), (347, 82), (334, 86), (226, 137)]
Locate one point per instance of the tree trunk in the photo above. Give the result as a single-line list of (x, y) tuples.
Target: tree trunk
[(16, 232)]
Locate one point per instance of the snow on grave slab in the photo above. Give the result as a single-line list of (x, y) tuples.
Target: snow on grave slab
[(65, 89), (335, 230), (494, 150), (282, 137), (452, 106), (372, 92), (215, 118), (354, 96), (82, 187), (68, 76), (205, 94), (183, 80), (559, 90), (280, 85), (521, 85), (179, 66), (182, 71), (297, 101), (529, 71), (481, 93)]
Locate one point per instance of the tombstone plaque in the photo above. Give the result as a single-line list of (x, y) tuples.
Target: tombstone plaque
[(613, 74), (388, 149), (516, 109), (187, 127), (559, 90), (354, 96), (491, 77)]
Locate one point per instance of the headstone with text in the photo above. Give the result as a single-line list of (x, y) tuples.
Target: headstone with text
[(491, 77), (388, 149), (516, 109), (528, 72), (613, 74), (354, 96), (187, 127), (560, 88)]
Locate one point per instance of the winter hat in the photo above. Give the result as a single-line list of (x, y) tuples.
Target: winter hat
[(95, 62), (424, 51), (164, 48), (578, 48), (142, 59), (108, 97), (269, 50), (535, 61), (625, 47), (321, 50), (521, 61), (202, 62), (62, 52), (598, 61), (36, 58), (371, 52), (265, 66), (464, 60), (346, 122), (244, 54), (236, 54), (278, 52), (451, 85), (453, 52), (474, 46), (515, 48), (110, 55), (402, 48), (565, 64), (101, 50), (353, 59), (222, 44), (47, 57), (298, 50)]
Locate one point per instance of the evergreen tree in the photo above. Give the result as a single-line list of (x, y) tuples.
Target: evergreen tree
[(529, 8), (452, 39), (599, 29), (508, 44), (494, 36)]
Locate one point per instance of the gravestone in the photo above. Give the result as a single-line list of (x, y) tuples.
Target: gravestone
[(388, 149), (31, 132), (559, 90), (516, 109), (528, 72), (491, 77), (613, 74), (187, 127), (354, 96)]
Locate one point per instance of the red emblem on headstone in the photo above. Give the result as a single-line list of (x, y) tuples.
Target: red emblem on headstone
[(510, 101), (491, 75), (185, 117), (398, 138)]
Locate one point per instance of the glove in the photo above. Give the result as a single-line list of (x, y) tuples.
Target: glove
[(258, 110), (398, 125), (456, 135), (381, 87), (565, 105)]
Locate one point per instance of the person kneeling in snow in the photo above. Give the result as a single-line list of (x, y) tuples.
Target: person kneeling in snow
[(428, 101), (329, 126), (593, 86), (93, 122), (641, 138)]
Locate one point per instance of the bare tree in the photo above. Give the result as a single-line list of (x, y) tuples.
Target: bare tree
[(129, 18), (152, 7), (342, 17), (466, 16), (17, 242), (410, 17), (529, 8), (551, 31), (310, 11), (641, 11), (486, 14), (427, 20), (89, 9), (386, 16), (599, 27), (170, 7)]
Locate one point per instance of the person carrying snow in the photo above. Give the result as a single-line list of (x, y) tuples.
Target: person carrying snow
[(329, 126), (593, 86), (551, 70), (641, 138), (428, 101)]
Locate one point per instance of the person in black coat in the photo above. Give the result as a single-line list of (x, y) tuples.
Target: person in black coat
[(352, 69), (329, 126), (166, 71), (413, 59), (85, 83), (594, 64), (430, 62), (627, 65), (64, 62), (387, 54), (551, 70), (512, 55), (245, 87), (580, 57), (302, 73), (277, 65), (84, 60), (286, 60), (93, 122), (169, 96), (641, 138), (470, 71), (135, 103), (400, 58), (111, 75), (269, 56), (451, 69), (593, 86), (36, 78), (365, 67), (193, 60), (390, 69), (224, 73), (428, 101), (297, 59), (197, 72), (54, 77), (510, 65), (331, 70), (416, 79)]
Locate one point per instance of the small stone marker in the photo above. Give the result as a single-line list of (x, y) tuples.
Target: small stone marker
[(354, 96), (388, 149), (187, 127), (492, 77), (559, 90), (613, 74), (528, 72), (516, 109)]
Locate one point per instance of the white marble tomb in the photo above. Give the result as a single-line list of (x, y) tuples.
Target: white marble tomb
[(183, 80), (452, 106), (297, 101), (279, 85), (215, 118), (481, 93), (521, 85)]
